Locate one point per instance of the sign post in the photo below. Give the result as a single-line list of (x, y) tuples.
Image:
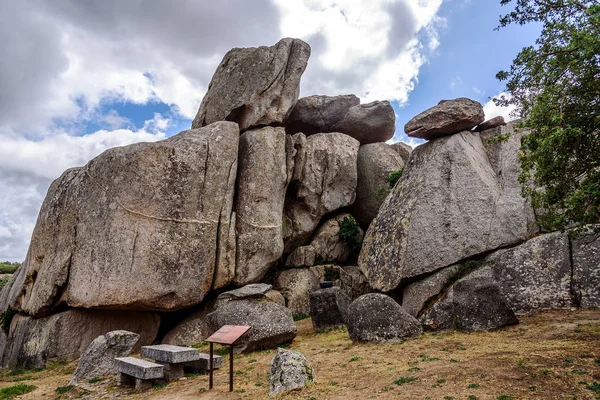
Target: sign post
[(228, 335)]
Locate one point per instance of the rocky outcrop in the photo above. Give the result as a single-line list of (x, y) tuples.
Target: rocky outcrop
[(586, 269), (473, 303), (457, 198), (289, 370), (377, 318), (447, 118), (255, 86), (98, 359), (131, 240), (318, 114), (403, 151), (328, 308), (272, 323), (352, 281), (489, 124), (535, 275), (303, 256), (375, 163), (329, 245), (416, 294), (323, 180), (369, 123), (66, 335), (296, 285), (259, 201)]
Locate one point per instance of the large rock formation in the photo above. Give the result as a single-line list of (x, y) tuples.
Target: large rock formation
[(323, 180), (447, 118), (133, 240), (255, 86), (262, 179), (369, 123), (458, 197), (318, 114), (375, 163), (66, 335), (586, 269)]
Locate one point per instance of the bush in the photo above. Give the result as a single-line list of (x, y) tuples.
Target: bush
[(8, 267), (394, 176), (350, 232)]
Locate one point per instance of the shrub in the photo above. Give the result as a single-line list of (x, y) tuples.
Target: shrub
[(8, 267), (350, 232), (394, 176)]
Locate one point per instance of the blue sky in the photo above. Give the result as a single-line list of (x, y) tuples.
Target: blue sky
[(79, 77)]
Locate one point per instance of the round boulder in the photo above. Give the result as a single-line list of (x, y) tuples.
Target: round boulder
[(377, 318)]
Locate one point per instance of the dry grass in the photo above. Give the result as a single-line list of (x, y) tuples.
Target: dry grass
[(552, 355)]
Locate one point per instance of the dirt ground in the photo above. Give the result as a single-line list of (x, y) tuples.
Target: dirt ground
[(551, 355)]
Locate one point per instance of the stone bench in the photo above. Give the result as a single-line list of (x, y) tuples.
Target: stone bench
[(137, 372), (172, 358), (203, 363)]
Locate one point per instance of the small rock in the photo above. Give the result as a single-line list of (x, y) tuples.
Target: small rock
[(303, 256), (447, 118), (98, 359), (377, 318), (369, 123), (289, 370)]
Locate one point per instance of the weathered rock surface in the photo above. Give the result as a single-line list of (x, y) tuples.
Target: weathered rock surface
[(255, 86), (403, 150), (98, 359), (296, 285), (352, 281), (456, 199), (303, 256), (318, 114), (535, 275), (489, 124), (377, 318), (289, 370), (324, 180), (586, 269), (329, 308), (329, 245), (191, 330), (66, 335), (473, 303), (262, 179), (447, 118), (416, 294), (272, 323), (375, 162), (369, 123)]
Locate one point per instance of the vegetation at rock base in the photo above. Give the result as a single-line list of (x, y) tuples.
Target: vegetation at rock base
[(11, 392), (394, 177), (555, 86), (350, 232)]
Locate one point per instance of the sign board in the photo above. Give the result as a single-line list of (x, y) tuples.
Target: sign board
[(228, 334)]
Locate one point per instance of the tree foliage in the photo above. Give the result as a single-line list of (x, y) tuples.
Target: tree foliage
[(555, 85)]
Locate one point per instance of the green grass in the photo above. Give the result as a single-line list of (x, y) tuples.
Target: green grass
[(95, 380), (300, 317), (63, 389), (426, 358), (12, 391), (355, 358), (594, 387), (158, 386), (472, 386), (504, 397), (405, 379)]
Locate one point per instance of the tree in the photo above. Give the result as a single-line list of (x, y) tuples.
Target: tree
[(555, 86)]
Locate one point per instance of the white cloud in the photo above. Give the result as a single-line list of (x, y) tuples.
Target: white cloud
[(491, 110)]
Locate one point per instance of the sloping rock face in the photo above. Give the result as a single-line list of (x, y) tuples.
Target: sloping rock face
[(323, 180), (416, 294), (454, 200), (98, 359), (535, 275), (447, 118), (377, 318), (586, 269), (272, 323), (473, 303), (131, 240), (369, 123), (255, 86), (375, 162), (296, 285), (289, 370), (403, 150), (66, 335), (318, 114), (259, 202)]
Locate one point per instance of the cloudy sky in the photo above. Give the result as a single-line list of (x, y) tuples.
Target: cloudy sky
[(78, 77)]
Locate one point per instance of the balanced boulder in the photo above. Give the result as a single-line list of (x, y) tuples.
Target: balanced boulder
[(375, 163), (447, 118), (369, 123), (289, 370), (98, 359), (318, 114), (255, 86), (377, 318)]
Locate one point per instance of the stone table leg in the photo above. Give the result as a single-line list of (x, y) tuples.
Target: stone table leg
[(124, 379), (172, 372), (141, 384)]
